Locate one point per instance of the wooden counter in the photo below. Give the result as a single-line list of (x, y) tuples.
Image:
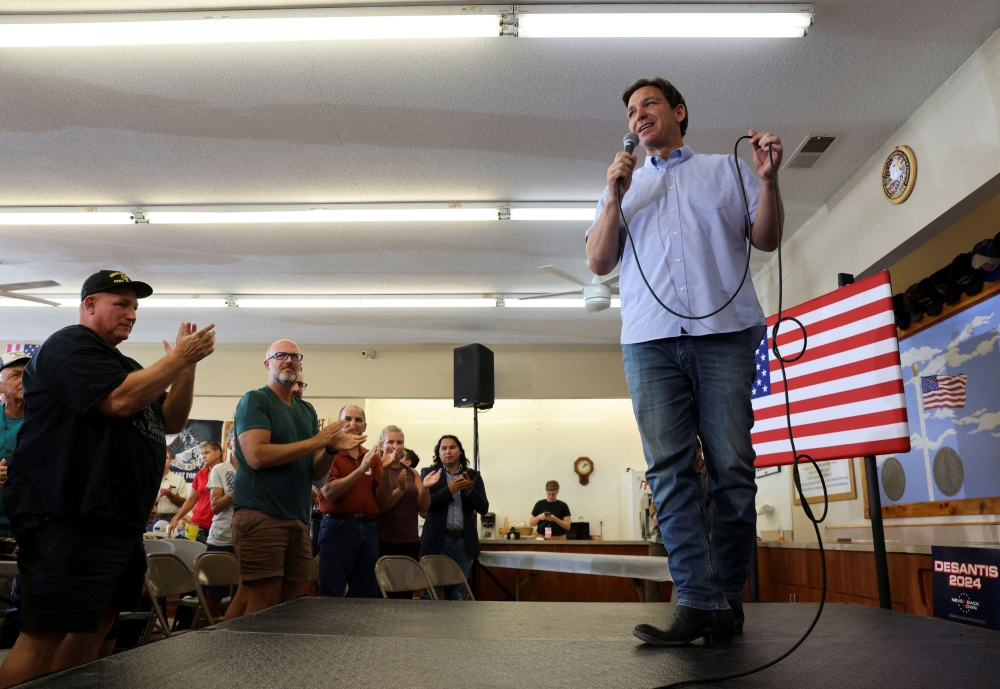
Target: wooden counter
[(562, 587), (792, 572)]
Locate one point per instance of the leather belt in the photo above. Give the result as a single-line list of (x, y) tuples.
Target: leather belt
[(455, 533), (361, 518)]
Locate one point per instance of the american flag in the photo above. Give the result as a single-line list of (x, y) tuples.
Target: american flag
[(28, 349), (846, 392), (943, 391)]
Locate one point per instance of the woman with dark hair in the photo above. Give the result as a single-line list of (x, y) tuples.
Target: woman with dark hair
[(457, 495)]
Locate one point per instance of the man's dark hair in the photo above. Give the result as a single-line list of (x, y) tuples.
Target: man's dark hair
[(412, 456), (672, 95), (214, 445), (462, 458)]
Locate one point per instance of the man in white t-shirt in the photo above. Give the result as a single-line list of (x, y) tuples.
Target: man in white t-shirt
[(173, 492), (220, 536)]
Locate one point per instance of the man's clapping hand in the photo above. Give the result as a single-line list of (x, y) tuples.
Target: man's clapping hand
[(461, 482), (432, 478), (192, 344)]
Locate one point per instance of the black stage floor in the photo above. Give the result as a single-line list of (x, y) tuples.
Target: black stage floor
[(380, 644)]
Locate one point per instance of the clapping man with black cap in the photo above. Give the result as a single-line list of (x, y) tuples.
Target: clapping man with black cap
[(85, 472)]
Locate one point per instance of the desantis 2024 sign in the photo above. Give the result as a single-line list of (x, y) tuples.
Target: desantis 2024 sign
[(966, 585)]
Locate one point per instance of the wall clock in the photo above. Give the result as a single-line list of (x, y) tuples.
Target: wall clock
[(899, 174), (584, 467)]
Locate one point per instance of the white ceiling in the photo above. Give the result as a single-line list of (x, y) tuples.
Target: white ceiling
[(509, 119)]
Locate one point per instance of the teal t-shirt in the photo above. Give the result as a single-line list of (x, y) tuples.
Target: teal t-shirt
[(8, 437), (284, 491)]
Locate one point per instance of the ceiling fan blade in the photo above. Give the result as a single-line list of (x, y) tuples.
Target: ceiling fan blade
[(14, 286), (564, 275), (613, 280), (25, 297), (554, 294)]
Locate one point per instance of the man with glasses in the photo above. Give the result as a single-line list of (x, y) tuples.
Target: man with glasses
[(299, 387), (281, 451)]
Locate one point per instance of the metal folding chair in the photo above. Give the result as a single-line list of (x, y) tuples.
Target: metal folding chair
[(401, 573), (216, 568), (443, 571), (168, 575)]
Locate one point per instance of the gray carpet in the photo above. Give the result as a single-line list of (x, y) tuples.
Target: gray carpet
[(377, 644)]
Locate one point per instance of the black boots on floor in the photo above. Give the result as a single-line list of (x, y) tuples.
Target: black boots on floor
[(691, 624)]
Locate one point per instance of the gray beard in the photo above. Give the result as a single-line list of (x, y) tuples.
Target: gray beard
[(285, 377)]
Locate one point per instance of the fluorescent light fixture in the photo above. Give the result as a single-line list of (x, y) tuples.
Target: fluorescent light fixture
[(553, 303), (67, 218), (249, 27), (148, 303), (553, 213), (363, 303), (324, 215), (664, 21)]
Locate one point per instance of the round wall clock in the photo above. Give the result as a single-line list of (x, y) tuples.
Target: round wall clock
[(584, 467), (899, 174)]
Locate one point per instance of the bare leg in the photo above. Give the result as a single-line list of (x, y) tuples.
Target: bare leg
[(31, 656), (107, 648), (290, 590), (262, 593), (238, 606), (77, 649)]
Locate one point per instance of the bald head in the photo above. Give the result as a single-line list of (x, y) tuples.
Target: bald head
[(280, 362), (354, 418)]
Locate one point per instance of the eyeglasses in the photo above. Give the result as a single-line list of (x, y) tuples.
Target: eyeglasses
[(302, 386), (290, 356)]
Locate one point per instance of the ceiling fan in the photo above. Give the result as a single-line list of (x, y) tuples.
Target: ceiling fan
[(596, 293), (10, 290)]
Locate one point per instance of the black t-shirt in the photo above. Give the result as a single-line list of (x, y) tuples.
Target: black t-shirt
[(71, 460), (558, 508)]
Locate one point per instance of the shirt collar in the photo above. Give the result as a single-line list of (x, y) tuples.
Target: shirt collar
[(675, 158)]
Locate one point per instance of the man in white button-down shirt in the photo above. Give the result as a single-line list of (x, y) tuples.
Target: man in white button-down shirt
[(689, 377)]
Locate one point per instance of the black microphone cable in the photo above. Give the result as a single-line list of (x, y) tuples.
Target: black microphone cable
[(782, 360)]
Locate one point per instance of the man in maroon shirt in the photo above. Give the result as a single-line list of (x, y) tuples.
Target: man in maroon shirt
[(351, 499), (200, 498)]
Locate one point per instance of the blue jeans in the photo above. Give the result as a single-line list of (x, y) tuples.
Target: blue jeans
[(455, 549), (688, 387), (348, 551)]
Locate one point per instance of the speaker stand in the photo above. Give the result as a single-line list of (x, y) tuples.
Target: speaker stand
[(475, 437)]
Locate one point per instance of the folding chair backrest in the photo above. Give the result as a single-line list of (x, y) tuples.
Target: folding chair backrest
[(217, 569), (168, 575), (157, 545), (401, 573), (443, 571), (187, 550)]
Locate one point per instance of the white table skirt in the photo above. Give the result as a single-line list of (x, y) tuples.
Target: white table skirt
[(630, 566)]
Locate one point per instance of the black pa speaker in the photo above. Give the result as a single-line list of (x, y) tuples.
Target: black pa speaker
[(474, 377)]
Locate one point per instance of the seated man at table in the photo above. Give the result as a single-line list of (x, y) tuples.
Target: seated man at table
[(551, 513)]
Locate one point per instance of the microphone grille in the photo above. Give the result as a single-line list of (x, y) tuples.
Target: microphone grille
[(630, 142)]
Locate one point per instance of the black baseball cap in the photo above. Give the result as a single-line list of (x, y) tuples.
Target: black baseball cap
[(105, 280)]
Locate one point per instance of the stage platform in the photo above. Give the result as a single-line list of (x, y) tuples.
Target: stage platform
[(315, 643)]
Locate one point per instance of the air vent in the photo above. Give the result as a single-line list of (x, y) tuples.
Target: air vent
[(809, 151)]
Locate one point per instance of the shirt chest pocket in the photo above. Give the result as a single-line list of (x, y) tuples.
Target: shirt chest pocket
[(708, 195)]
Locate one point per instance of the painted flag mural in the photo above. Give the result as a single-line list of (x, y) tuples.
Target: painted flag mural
[(846, 392), (28, 349), (943, 392)]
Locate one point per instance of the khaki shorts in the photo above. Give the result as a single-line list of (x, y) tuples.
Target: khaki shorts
[(269, 546)]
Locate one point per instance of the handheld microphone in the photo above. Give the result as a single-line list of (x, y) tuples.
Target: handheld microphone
[(630, 141)]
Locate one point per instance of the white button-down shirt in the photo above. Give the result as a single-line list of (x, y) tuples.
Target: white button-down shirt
[(686, 215)]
